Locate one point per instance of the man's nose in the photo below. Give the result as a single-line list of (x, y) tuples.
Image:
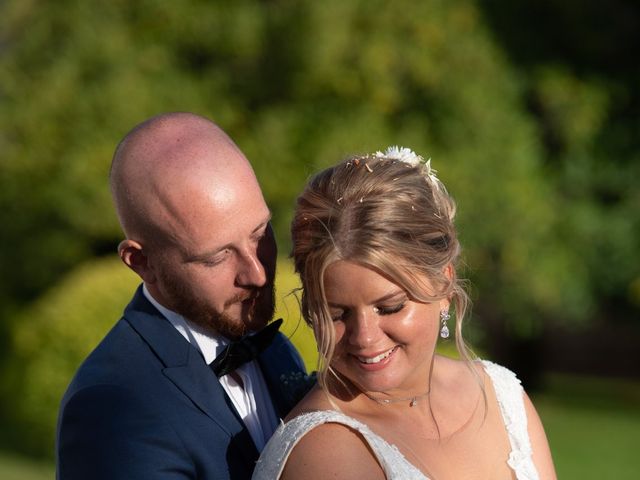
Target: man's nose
[(251, 271)]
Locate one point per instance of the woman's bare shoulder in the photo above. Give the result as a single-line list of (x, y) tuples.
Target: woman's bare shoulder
[(332, 450)]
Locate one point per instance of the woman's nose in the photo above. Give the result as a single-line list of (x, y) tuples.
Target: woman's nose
[(364, 329)]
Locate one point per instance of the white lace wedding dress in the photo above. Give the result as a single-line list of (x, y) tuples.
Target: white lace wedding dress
[(510, 399)]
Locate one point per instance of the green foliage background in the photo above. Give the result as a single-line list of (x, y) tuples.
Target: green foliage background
[(540, 151)]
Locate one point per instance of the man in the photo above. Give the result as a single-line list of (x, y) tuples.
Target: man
[(146, 404)]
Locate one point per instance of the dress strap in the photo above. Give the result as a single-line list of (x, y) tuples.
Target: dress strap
[(510, 396), (275, 455)]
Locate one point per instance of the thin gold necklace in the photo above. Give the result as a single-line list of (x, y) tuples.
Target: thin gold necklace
[(413, 401)]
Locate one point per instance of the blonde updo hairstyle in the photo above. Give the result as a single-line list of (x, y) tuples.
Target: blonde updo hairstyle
[(386, 213)]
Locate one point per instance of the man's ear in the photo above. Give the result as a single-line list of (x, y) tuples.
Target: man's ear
[(132, 255)]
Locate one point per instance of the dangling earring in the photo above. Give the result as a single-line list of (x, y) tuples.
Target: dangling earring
[(444, 316)]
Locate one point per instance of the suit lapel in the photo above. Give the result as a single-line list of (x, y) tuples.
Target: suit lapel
[(187, 370), (198, 382)]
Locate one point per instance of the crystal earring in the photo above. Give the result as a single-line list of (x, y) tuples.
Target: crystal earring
[(444, 316)]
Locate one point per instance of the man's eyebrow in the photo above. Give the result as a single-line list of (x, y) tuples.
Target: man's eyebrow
[(263, 223)]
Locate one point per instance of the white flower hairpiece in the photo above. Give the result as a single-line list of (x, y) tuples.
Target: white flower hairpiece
[(403, 154), (411, 158)]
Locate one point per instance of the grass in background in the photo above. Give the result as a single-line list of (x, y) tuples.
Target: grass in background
[(593, 426), (19, 468)]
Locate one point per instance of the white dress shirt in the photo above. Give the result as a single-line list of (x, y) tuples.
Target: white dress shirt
[(253, 402)]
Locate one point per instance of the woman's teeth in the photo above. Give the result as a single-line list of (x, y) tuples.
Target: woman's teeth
[(377, 358)]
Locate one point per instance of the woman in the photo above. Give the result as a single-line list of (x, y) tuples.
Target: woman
[(376, 248)]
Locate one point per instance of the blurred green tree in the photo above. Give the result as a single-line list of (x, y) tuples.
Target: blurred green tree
[(579, 80), (50, 340), (299, 85)]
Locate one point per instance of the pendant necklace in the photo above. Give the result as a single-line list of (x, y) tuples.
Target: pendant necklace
[(413, 401)]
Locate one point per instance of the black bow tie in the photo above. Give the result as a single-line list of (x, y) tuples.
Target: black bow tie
[(239, 352)]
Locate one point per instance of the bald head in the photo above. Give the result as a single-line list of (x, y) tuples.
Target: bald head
[(168, 165), (196, 223)]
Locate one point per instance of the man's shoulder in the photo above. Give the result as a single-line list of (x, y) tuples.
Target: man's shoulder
[(122, 349), (117, 356), (113, 356)]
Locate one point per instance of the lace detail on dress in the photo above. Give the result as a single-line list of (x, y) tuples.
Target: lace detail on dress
[(275, 454), (510, 397)]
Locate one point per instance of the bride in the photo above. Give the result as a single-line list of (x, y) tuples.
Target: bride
[(376, 248)]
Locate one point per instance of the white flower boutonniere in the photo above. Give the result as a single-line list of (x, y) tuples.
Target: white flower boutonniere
[(298, 384)]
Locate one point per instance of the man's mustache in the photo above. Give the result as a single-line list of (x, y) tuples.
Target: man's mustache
[(251, 295)]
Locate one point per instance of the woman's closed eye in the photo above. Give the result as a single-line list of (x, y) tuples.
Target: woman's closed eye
[(341, 313), (389, 309)]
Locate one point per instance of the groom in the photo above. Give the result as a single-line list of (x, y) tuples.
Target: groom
[(146, 404)]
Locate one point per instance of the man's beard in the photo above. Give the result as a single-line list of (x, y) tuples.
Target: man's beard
[(256, 309)]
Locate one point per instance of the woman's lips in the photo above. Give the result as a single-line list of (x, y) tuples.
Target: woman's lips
[(377, 358)]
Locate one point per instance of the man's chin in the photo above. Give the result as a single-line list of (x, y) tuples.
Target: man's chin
[(240, 319), (252, 320)]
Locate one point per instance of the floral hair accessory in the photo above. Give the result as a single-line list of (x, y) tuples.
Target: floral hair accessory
[(411, 158), (402, 154)]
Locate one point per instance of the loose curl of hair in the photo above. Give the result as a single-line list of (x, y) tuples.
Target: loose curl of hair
[(385, 214)]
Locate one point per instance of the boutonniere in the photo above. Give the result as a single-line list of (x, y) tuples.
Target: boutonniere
[(298, 384)]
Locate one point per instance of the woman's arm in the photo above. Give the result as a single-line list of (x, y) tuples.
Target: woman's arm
[(541, 452)]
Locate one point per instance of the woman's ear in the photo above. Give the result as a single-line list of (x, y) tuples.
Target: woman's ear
[(132, 255), (448, 272), (445, 303)]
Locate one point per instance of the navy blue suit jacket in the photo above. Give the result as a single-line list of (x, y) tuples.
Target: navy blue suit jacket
[(145, 405)]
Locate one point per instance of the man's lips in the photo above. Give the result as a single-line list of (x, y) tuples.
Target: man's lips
[(242, 299)]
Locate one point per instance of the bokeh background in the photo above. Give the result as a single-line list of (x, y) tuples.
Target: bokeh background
[(529, 110)]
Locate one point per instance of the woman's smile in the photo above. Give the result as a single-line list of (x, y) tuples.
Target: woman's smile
[(379, 359)]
